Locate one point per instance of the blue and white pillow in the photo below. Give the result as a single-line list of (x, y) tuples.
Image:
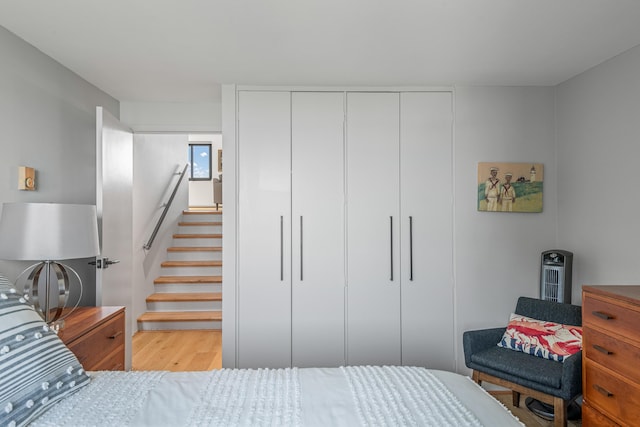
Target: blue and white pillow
[(37, 368)]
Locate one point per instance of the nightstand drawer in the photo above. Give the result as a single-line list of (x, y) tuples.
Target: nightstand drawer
[(611, 316), (612, 394), (613, 353), (103, 347)]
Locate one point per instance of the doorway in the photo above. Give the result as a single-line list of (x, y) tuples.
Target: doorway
[(182, 271)]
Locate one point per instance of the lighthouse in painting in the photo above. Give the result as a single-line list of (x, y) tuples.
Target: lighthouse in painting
[(533, 174)]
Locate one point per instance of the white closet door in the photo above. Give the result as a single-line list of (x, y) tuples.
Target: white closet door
[(426, 209), (264, 229), (318, 244), (373, 270)]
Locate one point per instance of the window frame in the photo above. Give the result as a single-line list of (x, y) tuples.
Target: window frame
[(191, 150)]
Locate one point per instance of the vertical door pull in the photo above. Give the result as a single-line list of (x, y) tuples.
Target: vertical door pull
[(301, 246), (281, 248), (391, 245), (411, 248)]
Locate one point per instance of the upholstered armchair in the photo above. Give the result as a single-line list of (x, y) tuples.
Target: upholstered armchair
[(217, 191), (549, 381)]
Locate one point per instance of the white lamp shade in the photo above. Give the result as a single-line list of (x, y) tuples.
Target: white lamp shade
[(48, 232)]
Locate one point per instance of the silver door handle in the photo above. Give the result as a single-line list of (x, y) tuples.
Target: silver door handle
[(104, 262)]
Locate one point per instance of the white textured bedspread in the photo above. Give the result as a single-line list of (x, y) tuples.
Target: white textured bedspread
[(348, 396)]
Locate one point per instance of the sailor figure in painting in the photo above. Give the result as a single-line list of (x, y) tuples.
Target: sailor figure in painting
[(507, 194), (492, 190)]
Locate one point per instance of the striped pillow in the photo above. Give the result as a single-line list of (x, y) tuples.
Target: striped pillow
[(37, 368)]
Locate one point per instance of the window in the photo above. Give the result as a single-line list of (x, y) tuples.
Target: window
[(200, 162)]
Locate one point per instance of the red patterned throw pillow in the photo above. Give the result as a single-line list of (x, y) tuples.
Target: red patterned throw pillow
[(540, 338)]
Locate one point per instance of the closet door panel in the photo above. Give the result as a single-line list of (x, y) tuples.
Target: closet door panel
[(373, 270), (318, 243), (264, 230), (427, 252)]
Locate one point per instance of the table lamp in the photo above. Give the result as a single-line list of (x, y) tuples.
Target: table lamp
[(48, 233)]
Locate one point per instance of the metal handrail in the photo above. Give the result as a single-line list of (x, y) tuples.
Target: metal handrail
[(167, 205)]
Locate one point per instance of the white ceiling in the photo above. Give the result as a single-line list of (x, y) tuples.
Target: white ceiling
[(182, 50)]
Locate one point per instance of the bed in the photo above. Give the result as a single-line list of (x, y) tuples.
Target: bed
[(43, 384)]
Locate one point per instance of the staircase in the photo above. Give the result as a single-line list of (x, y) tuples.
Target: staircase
[(188, 294)]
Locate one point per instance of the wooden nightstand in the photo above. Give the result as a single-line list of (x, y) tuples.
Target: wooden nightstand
[(96, 336)]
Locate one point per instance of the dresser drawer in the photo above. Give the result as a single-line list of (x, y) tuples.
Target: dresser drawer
[(611, 394), (103, 347), (593, 418), (611, 316), (613, 353)]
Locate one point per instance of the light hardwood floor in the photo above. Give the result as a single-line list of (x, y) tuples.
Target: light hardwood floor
[(202, 351), (177, 351)]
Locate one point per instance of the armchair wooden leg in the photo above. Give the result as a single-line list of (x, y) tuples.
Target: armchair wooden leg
[(515, 396), (560, 412), (476, 377)]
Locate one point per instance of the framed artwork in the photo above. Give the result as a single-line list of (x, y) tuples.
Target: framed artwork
[(510, 187), (219, 160)]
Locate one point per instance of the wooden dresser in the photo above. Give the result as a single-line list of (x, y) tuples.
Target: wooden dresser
[(96, 336), (611, 355)]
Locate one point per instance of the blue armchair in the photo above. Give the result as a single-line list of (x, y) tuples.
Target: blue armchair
[(554, 383)]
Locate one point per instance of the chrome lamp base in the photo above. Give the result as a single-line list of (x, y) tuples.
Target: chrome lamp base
[(51, 313)]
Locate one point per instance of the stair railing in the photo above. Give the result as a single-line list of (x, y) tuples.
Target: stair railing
[(166, 206)]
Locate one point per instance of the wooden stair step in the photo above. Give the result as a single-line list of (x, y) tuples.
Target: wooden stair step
[(195, 249), (188, 279), (197, 236), (202, 212), (200, 223), (181, 297), (180, 316), (191, 264)]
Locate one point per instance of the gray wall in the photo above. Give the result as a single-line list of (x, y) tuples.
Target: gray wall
[(203, 117), (598, 134), (152, 187), (496, 255), (47, 121)]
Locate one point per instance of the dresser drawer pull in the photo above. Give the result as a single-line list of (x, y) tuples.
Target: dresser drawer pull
[(602, 349), (116, 335), (603, 391), (602, 315)]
